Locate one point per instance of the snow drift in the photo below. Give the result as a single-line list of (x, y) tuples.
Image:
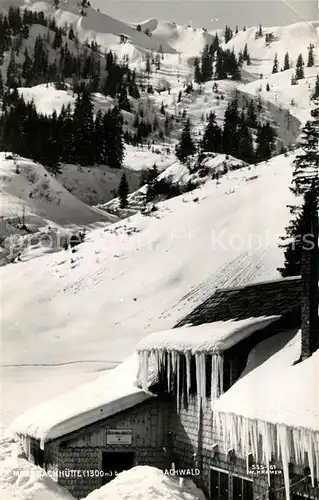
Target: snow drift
[(146, 483), (21, 480)]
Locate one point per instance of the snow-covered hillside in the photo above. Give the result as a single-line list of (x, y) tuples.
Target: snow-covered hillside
[(105, 29), (292, 99), (35, 206), (140, 275), (293, 39)]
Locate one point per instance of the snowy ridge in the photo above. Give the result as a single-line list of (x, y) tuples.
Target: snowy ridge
[(277, 401), (102, 28)]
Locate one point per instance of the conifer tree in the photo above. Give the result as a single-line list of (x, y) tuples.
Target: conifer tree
[(12, 72), (215, 44), (245, 149), (206, 65), (84, 128), (123, 100), (265, 142), (306, 163), (245, 52), (228, 34), (295, 231), (305, 184), (315, 94), (27, 73), (211, 141), (123, 191), (275, 65), (286, 62), (251, 115), (300, 74), (220, 69), (311, 57), (197, 71), (186, 146), (1, 86), (231, 122), (148, 68), (115, 143)]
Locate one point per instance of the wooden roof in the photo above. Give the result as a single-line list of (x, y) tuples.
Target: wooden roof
[(260, 299)]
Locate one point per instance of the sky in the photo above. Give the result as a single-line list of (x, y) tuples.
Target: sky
[(212, 14)]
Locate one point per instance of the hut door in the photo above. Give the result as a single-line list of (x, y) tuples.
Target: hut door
[(114, 463), (219, 485)]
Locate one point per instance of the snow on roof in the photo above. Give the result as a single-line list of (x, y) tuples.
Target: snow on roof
[(275, 402), (209, 337), (144, 482), (109, 394), (275, 390)]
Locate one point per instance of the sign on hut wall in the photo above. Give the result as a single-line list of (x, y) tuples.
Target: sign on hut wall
[(118, 436)]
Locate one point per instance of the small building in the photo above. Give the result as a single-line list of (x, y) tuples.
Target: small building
[(124, 38), (229, 397)]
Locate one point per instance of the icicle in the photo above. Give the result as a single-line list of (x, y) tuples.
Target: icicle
[(168, 371), (198, 384), (283, 443), (264, 430), (310, 453), (202, 375), (221, 373), (144, 368), (157, 361), (188, 373), (174, 361), (242, 434), (217, 377), (214, 378), (178, 366)]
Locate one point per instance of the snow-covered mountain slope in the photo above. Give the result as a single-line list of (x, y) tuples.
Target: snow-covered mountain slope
[(142, 274), (294, 39), (34, 203), (179, 174), (27, 187), (293, 99), (104, 29), (184, 39)]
